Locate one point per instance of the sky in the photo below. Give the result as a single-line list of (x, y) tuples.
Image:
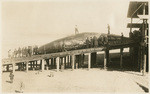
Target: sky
[(39, 22)]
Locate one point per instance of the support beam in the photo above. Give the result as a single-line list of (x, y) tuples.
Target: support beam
[(36, 64), (76, 65), (121, 57), (145, 43), (141, 62), (64, 62), (139, 58), (27, 65), (13, 67), (47, 64), (40, 64), (21, 67), (57, 63), (7, 68), (93, 59), (50, 62), (54, 63), (24, 65), (89, 61), (67, 61), (144, 65), (72, 61), (33, 65), (105, 60), (43, 64)]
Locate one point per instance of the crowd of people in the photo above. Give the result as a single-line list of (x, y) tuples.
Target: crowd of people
[(96, 42), (102, 41), (23, 52), (90, 42)]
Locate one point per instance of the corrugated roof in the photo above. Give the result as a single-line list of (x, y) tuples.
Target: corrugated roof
[(133, 6)]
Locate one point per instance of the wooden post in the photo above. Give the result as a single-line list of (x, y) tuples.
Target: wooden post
[(27, 66), (31, 65), (89, 61), (66, 61), (144, 40), (21, 66), (13, 67), (69, 60), (144, 66), (121, 56), (43, 64), (131, 26), (47, 64), (54, 63), (72, 61), (33, 68), (107, 57), (7, 67), (24, 66), (57, 63), (50, 62), (105, 60), (141, 60), (93, 59), (40, 64), (36, 64), (62, 65)]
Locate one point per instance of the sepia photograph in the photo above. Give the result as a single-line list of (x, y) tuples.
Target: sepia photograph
[(74, 46)]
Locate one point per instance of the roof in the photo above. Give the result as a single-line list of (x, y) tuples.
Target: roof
[(133, 6), (135, 25)]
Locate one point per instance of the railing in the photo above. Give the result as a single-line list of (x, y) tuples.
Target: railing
[(110, 44)]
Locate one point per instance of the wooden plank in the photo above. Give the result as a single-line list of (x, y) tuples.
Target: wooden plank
[(46, 56), (60, 54)]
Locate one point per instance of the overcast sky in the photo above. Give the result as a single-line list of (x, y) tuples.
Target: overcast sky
[(37, 23)]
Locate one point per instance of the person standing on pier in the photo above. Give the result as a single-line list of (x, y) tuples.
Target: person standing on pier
[(15, 53), (19, 52), (29, 50), (26, 51), (76, 30), (87, 43), (91, 42), (121, 37), (108, 27), (22, 52), (35, 50), (95, 41), (9, 53)]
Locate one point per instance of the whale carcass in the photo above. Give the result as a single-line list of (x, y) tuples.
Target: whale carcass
[(73, 42)]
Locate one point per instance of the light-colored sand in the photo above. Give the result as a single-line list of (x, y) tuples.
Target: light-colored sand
[(79, 80)]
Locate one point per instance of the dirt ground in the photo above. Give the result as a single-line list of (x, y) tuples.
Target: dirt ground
[(79, 80)]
